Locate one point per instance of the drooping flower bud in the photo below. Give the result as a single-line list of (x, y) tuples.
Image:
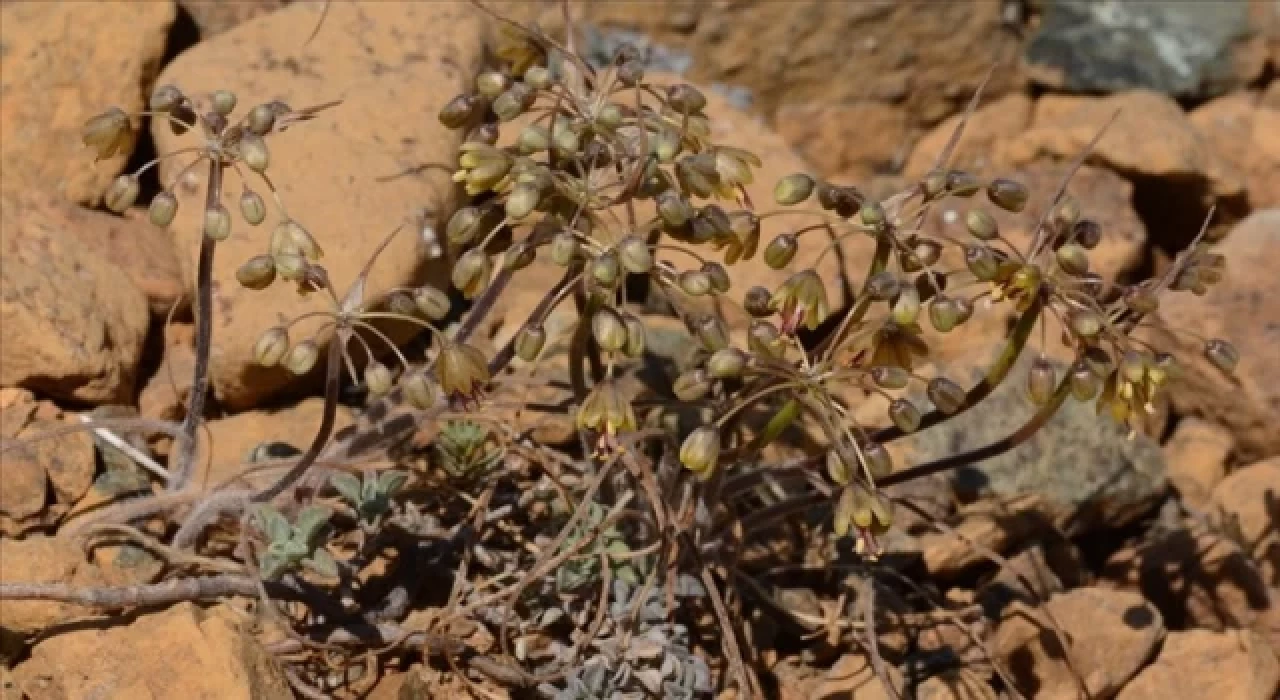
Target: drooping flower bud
[(431, 302), (108, 133), (301, 358), (254, 153), (224, 102), (1008, 194), (271, 347), (781, 250), (981, 225), (905, 415), (1222, 355), (419, 391), (1041, 381), (122, 193), (701, 450), (462, 371), (946, 395), (217, 223), (471, 273), (261, 119), (692, 385), (163, 209), (609, 330), (634, 254), (257, 272), (377, 379), (727, 363), (253, 209), (793, 189)]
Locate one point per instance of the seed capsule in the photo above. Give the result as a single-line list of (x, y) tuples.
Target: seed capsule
[(1008, 194), (224, 102), (1041, 381), (471, 273), (253, 209), (946, 395), (163, 209), (564, 246), (1087, 233), (695, 283), (261, 119), (727, 363), (634, 254), (271, 347), (301, 358), (879, 463), (606, 270), (217, 223), (419, 391), (781, 250), (943, 314), (609, 330), (1074, 259), (712, 332), (122, 193), (793, 189), (165, 98), (981, 224), (905, 415), (460, 110), (756, 302), (257, 272), (888, 377), (982, 262), (1085, 383)]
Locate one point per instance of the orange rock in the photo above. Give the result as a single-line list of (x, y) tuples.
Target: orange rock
[(1234, 665), (1197, 459), (1248, 504)]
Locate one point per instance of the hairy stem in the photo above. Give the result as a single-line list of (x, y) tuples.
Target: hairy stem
[(187, 443)]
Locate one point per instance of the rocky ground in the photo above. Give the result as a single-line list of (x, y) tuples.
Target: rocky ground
[(1156, 560)]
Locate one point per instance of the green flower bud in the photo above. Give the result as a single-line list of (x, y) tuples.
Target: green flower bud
[(674, 210), (217, 223), (163, 209), (906, 308), (982, 262), (879, 462), (519, 256), (257, 272), (666, 145), (463, 226), (261, 119), (491, 84), (981, 224), (1085, 323), (508, 105), (253, 209), (888, 377), (695, 283), (634, 255), (1142, 299), (905, 415), (793, 189), (718, 275), (692, 385), (764, 339), (564, 247), (781, 250), (253, 152), (1008, 194), (701, 450), (1087, 233), (1066, 213), (610, 116), (872, 214), (471, 273), (711, 332), (122, 193), (538, 77), (962, 184), (1041, 381), (727, 363), (431, 302), (635, 336), (419, 391), (224, 102), (934, 184), (943, 313), (837, 469), (301, 358), (522, 200), (271, 347), (290, 266), (884, 286), (606, 270), (609, 330), (299, 238), (1222, 355), (1085, 384), (534, 138), (946, 395), (756, 302), (377, 379), (1133, 366)]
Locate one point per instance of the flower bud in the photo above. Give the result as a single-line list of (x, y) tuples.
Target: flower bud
[(946, 395), (634, 255), (756, 302), (1085, 384), (686, 99), (727, 363), (1133, 366), (257, 272), (534, 138), (982, 262), (491, 84), (224, 102), (781, 250), (253, 209), (606, 270), (290, 266), (1066, 213), (522, 200), (981, 224), (872, 214), (701, 450), (879, 462), (297, 236), (508, 105), (519, 256), (1085, 323), (1008, 194), (692, 385), (538, 77), (719, 276), (463, 225), (564, 247), (1142, 299), (610, 116), (301, 358), (1073, 259), (377, 378), (1222, 355), (793, 189), (1041, 381), (695, 283), (905, 415), (108, 133), (906, 308), (943, 313), (609, 330), (529, 342), (217, 223), (261, 119), (1098, 361), (674, 210), (837, 469), (165, 98), (1087, 233), (163, 209), (471, 273), (962, 184), (934, 184), (253, 152), (401, 304), (419, 391), (711, 332), (431, 302), (122, 193), (460, 110), (271, 347), (764, 338)]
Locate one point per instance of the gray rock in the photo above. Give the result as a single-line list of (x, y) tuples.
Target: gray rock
[(1084, 468), (1178, 47)]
